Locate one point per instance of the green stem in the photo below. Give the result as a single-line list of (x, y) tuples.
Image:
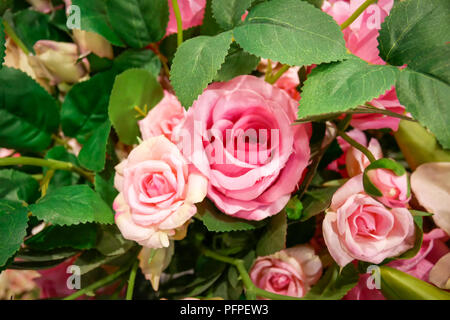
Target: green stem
[(176, 10), (252, 291), (96, 285), (48, 163), (10, 32), (356, 14), (269, 70), (357, 145), (277, 75), (132, 280)]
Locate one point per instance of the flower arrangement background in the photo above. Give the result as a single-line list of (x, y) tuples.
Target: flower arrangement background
[(231, 149)]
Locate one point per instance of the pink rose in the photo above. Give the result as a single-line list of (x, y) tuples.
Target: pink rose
[(163, 118), (394, 188), (433, 248), (362, 291), (53, 281), (387, 101), (157, 193), (240, 135), (361, 40), (192, 12), (356, 226), (289, 272)]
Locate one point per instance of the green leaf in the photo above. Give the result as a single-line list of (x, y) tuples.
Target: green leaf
[(111, 241), (294, 208), (16, 186), (397, 285), (210, 27), (138, 22), (228, 13), (291, 32), (417, 33), (134, 58), (316, 3), (427, 98), (2, 42), (92, 155), (32, 26), (13, 224), (237, 62), (85, 107), (334, 284), (198, 60), (274, 237), (340, 86), (94, 18), (216, 221), (82, 236), (317, 201), (134, 87), (28, 114), (62, 178), (72, 205)]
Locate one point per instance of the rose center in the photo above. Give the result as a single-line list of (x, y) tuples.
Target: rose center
[(156, 184), (279, 281)]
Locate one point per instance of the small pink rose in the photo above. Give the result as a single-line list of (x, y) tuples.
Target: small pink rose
[(289, 272), (158, 193), (356, 226), (163, 118)]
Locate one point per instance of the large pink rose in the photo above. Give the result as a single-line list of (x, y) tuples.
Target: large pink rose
[(361, 40), (288, 272), (163, 118), (157, 193), (240, 135), (192, 12), (356, 226)]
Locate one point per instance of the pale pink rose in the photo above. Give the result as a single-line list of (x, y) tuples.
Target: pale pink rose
[(157, 193), (163, 118), (352, 161), (289, 272), (394, 188), (192, 12), (361, 40), (356, 226), (433, 248), (17, 282), (240, 135)]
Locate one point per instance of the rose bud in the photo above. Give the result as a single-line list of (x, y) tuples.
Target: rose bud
[(60, 61), (92, 42), (388, 182)]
